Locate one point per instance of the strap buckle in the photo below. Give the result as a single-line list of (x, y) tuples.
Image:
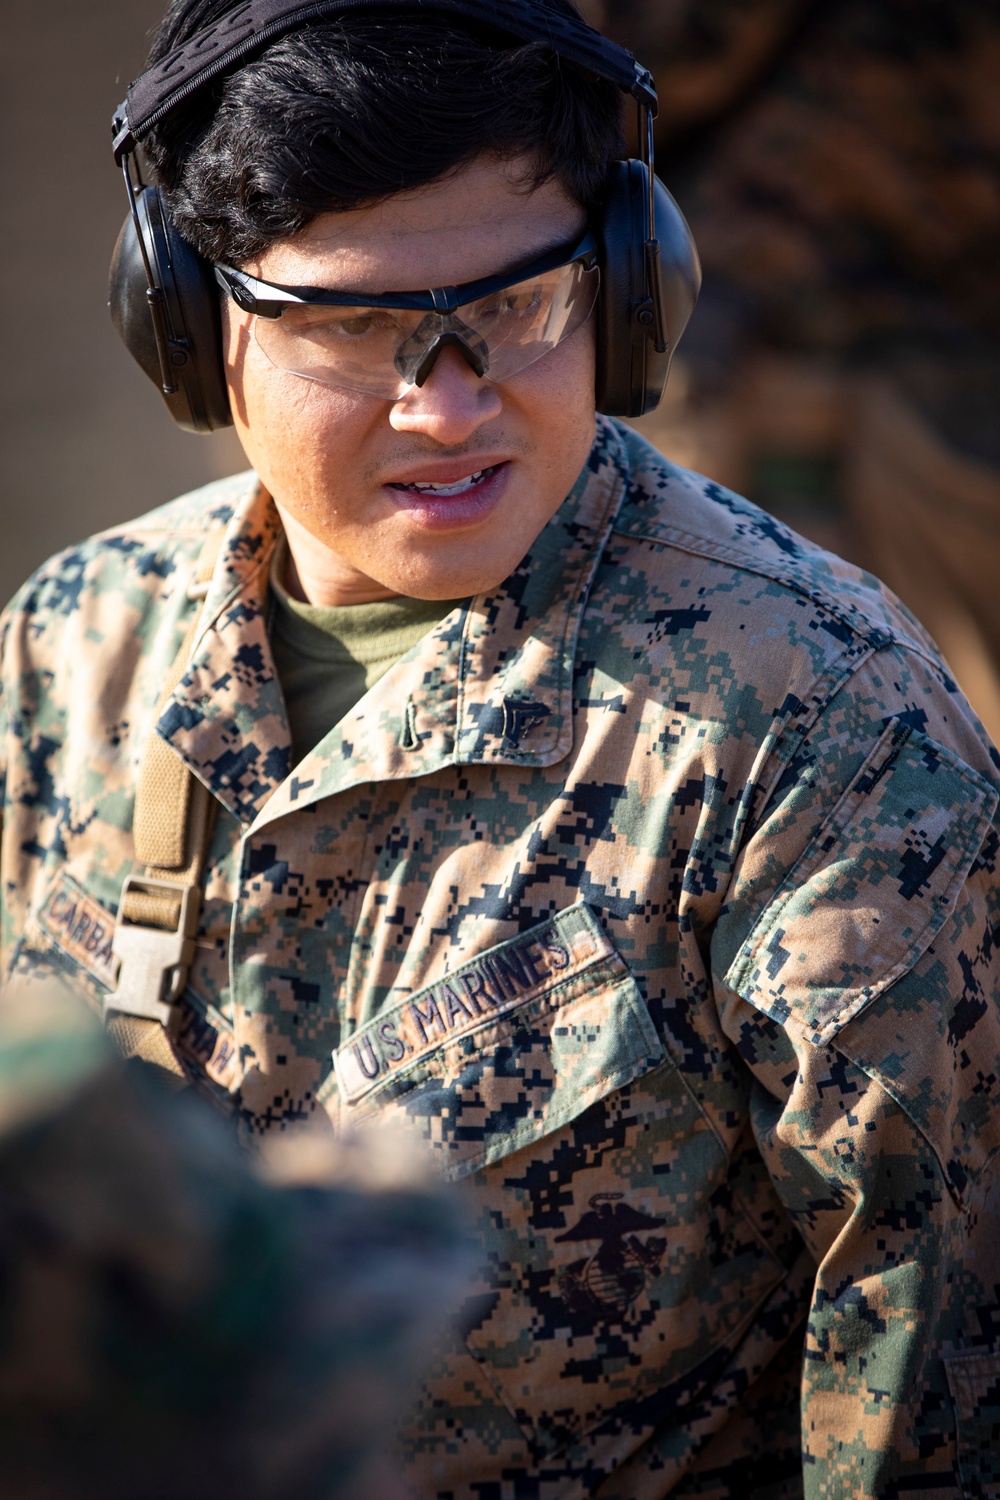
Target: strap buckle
[(154, 961)]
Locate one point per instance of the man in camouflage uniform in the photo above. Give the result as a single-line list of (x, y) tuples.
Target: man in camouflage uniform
[(654, 887)]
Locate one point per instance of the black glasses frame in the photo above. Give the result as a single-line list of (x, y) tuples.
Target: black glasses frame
[(267, 299)]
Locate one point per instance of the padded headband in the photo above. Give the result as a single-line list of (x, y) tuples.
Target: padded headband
[(252, 26)]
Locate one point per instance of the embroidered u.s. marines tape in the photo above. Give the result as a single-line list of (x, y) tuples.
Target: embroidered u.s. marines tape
[(474, 995)]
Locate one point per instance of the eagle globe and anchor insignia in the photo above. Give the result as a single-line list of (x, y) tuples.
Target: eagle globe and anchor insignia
[(613, 1277)]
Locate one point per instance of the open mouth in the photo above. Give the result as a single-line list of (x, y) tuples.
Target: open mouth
[(457, 487)]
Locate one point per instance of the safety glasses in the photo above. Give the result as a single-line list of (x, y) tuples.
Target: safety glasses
[(383, 345)]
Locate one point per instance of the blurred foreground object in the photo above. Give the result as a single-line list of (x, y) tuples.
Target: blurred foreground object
[(179, 1323), (840, 168)]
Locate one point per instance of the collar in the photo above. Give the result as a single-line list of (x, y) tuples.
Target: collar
[(490, 684)]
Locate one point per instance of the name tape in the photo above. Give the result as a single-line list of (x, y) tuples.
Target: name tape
[(470, 997), (81, 927), (211, 1048)]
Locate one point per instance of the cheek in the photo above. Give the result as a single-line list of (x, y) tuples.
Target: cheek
[(564, 379), (556, 396), (288, 426)]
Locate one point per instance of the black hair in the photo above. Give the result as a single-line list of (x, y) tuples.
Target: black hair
[(347, 111)]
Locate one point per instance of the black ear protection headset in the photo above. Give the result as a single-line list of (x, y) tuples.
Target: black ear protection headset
[(165, 301)]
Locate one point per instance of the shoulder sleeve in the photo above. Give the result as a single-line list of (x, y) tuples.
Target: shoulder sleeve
[(862, 914), (30, 642), (856, 971)]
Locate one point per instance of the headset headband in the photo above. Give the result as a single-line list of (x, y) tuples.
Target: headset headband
[(252, 26)]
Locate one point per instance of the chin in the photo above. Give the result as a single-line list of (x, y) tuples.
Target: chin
[(457, 584), (429, 572)]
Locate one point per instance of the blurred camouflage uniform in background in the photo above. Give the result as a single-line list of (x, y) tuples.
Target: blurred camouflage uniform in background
[(840, 165), (176, 1324)]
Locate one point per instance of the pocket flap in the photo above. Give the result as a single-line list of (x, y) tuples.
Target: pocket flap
[(507, 1048), (871, 890)]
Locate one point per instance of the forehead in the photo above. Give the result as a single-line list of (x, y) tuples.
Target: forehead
[(480, 220)]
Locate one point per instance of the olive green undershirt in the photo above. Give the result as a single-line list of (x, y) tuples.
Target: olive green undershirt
[(328, 658)]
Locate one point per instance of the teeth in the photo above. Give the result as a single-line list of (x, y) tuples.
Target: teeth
[(449, 489)]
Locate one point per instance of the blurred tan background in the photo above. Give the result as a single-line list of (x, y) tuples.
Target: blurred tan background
[(839, 161), (85, 440)]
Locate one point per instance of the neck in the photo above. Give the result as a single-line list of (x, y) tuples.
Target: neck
[(316, 575)]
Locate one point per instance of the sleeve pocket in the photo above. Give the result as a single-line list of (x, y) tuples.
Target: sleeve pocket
[(974, 1382), (871, 890)]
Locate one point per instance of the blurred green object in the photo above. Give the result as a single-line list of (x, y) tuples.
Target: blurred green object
[(177, 1321)]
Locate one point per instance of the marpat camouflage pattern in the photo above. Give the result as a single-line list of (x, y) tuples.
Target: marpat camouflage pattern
[(657, 891)]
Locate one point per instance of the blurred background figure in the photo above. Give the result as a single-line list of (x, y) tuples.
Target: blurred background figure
[(839, 161), (179, 1323)]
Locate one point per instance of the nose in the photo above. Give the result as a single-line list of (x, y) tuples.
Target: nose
[(451, 405)]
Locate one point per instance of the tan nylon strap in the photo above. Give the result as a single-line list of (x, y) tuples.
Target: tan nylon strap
[(172, 825), (196, 807), (146, 1040), (152, 910)]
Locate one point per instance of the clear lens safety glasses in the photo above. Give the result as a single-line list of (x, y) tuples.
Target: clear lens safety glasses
[(383, 345)]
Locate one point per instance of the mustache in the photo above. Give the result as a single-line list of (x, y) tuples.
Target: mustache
[(418, 452)]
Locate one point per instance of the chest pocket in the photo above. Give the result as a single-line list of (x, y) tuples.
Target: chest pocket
[(617, 1272)]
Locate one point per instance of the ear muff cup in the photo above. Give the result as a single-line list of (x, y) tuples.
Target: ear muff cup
[(631, 375), (200, 402)]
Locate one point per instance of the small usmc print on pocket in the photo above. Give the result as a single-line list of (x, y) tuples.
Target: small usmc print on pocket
[(471, 997)]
